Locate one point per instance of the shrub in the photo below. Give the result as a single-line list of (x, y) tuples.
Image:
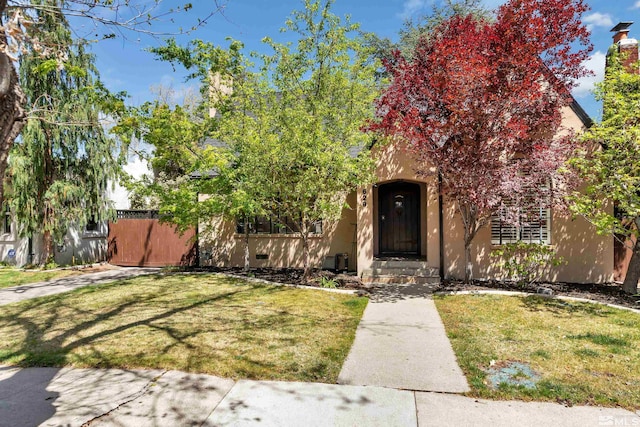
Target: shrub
[(325, 282), (525, 262)]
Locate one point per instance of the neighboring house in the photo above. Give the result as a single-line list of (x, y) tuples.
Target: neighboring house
[(84, 246), (79, 246), (399, 229)]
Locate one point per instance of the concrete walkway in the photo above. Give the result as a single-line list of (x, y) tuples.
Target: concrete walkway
[(98, 398), (34, 290), (401, 343)]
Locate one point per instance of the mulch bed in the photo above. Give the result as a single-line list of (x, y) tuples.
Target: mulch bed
[(610, 293), (293, 276)]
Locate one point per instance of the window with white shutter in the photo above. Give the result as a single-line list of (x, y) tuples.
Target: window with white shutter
[(532, 225)]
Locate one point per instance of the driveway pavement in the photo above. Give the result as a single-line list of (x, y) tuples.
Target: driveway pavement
[(34, 290)]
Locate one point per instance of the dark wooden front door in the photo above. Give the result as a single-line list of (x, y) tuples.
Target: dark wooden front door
[(399, 219)]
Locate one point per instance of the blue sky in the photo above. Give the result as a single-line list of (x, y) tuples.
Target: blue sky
[(124, 65)]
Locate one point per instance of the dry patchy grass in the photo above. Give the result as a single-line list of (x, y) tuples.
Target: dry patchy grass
[(585, 353), (198, 323)]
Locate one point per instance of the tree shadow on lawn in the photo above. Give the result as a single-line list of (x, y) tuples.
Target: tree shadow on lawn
[(43, 342), (36, 331), (562, 308)]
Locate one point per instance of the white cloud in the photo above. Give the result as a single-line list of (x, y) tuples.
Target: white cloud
[(595, 63), (410, 7), (636, 5), (598, 19)]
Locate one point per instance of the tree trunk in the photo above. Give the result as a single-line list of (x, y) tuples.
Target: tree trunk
[(12, 113), (307, 259), (469, 222), (47, 248), (304, 233), (247, 258), (468, 265), (630, 284)]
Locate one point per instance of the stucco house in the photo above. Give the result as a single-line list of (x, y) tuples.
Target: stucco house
[(399, 229)]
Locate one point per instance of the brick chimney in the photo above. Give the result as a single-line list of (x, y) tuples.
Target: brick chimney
[(627, 47)]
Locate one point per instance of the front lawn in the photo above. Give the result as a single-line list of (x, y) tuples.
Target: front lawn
[(578, 353), (197, 323)]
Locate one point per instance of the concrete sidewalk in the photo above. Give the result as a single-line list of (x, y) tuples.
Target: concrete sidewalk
[(401, 343), (35, 290), (98, 398)]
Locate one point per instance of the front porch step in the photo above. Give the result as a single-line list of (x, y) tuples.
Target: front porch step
[(400, 272), (405, 263), (398, 279), (403, 271)]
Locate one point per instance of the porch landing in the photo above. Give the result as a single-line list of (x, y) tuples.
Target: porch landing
[(400, 271), (401, 343)]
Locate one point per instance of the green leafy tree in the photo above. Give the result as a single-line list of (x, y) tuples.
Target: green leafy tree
[(313, 102), (290, 129), (60, 166), (23, 33), (184, 164), (609, 162)]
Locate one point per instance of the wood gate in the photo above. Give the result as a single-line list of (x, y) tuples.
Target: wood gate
[(139, 239)]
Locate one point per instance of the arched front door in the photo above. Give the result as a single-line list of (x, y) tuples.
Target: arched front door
[(399, 219)]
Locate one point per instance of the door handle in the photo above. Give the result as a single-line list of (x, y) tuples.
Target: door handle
[(382, 218)]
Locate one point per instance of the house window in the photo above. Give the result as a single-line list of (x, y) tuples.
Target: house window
[(6, 226), (262, 225), (92, 224), (273, 225), (532, 225)]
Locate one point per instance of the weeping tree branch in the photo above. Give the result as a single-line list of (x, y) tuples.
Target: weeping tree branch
[(22, 33)]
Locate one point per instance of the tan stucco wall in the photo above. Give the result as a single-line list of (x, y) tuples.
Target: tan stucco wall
[(588, 256), (394, 163), (221, 246)]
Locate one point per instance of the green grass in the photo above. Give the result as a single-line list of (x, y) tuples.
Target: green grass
[(14, 277), (587, 354), (197, 323)]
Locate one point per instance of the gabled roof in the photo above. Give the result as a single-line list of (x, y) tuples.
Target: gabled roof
[(582, 115)]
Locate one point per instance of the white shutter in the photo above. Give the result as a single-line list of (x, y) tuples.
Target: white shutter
[(501, 231), (534, 226)]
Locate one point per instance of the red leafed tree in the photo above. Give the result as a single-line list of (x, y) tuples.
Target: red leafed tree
[(481, 101)]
